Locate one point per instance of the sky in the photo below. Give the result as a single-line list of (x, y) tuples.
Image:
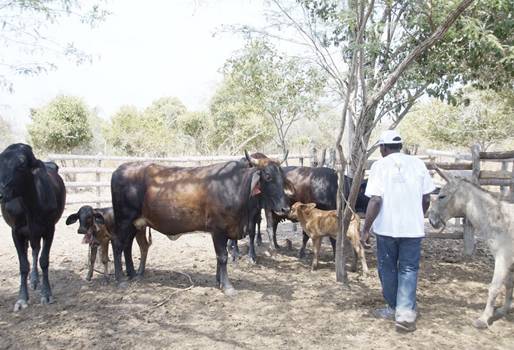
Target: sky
[(142, 51)]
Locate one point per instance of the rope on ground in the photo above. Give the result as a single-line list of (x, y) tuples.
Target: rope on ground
[(168, 298)]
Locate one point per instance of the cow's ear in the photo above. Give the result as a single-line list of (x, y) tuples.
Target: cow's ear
[(72, 219), (255, 186), (99, 218), (289, 188), (44, 188), (311, 205)]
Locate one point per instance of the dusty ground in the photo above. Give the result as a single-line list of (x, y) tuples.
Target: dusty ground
[(280, 302)]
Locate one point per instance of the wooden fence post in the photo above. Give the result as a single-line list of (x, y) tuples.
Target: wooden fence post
[(314, 157), (469, 235), (332, 158), (301, 161), (98, 179), (504, 189), (512, 185)]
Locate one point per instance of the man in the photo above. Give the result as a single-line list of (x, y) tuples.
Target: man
[(399, 188)]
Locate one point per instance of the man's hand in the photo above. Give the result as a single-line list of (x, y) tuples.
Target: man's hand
[(365, 239)]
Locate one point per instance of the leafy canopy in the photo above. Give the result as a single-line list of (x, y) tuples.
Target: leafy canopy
[(61, 126)]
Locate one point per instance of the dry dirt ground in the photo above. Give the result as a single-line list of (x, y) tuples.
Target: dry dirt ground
[(280, 302)]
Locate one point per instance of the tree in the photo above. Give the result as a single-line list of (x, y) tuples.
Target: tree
[(6, 134), (31, 51), (60, 126), (237, 121), (373, 53), (196, 128), (283, 89), (481, 116), (167, 109), (135, 134)]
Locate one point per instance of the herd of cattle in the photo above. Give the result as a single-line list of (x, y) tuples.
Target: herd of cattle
[(224, 199)]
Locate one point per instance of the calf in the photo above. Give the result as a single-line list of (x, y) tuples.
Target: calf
[(97, 226), (318, 223)]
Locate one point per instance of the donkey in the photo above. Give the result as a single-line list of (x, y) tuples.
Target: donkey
[(494, 219)]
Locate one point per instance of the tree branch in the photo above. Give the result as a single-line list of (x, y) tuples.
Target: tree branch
[(418, 50)]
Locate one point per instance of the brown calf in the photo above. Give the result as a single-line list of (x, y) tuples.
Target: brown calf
[(97, 226), (320, 223)]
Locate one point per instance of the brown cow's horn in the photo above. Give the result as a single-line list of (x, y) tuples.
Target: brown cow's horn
[(285, 157), (250, 159), (442, 173)]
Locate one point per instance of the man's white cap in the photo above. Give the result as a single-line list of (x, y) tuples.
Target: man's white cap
[(389, 137)]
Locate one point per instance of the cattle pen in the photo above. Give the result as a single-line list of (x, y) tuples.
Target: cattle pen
[(87, 177), (280, 302)]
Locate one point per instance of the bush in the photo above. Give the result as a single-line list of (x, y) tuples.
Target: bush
[(61, 126)]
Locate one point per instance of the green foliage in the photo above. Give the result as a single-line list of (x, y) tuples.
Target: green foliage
[(264, 89), (61, 126), (481, 116), (167, 109), (6, 134), (237, 121), (477, 49), (196, 128), (138, 134), (24, 23)]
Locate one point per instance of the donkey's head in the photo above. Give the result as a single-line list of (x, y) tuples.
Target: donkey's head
[(446, 206)]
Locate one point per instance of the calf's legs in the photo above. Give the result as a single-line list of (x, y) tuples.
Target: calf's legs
[(316, 245), (92, 258)]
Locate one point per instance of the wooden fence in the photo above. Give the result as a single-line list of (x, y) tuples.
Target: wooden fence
[(95, 173), (83, 173)]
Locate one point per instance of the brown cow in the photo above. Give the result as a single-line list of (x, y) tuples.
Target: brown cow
[(320, 223), (219, 198), (97, 226)]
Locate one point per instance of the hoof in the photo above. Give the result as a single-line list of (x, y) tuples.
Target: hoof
[(88, 278), (122, 285), (20, 305), (34, 283), (252, 260), (230, 292), (301, 255), (47, 300), (480, 324), (104, 281)]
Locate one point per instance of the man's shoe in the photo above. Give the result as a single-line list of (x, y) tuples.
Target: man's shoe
[(385, 313), (405, 327)]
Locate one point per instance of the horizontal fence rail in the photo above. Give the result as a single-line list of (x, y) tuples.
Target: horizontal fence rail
[(98, 169)]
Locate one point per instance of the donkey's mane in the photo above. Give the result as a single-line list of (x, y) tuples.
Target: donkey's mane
[(479, 187)]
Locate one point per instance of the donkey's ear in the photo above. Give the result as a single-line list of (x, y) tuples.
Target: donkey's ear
[(446, 176)]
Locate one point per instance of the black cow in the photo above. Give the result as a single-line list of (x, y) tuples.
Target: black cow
[(32, 197), (218, 198), (311, 185)]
